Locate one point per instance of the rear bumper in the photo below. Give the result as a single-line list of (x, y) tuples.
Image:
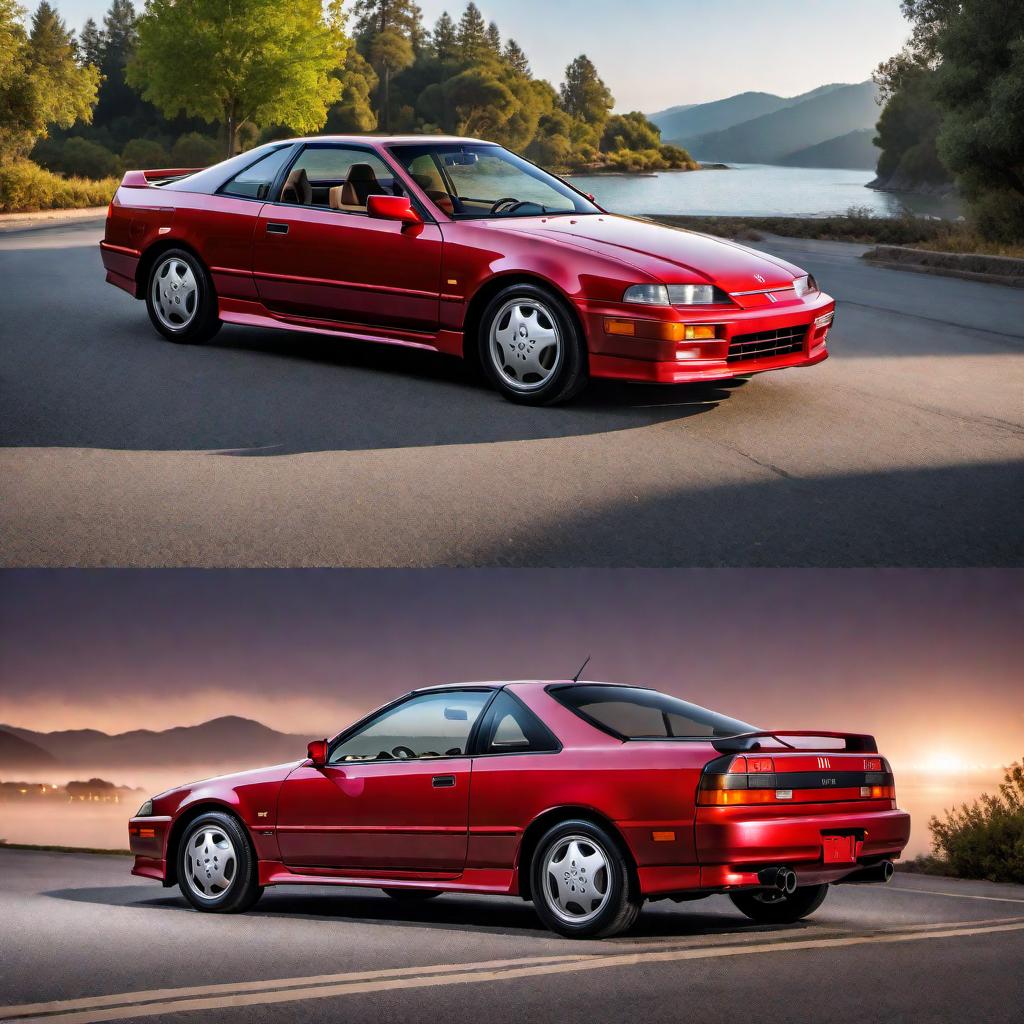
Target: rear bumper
[(734, 842), (646, 357), (121, 265)]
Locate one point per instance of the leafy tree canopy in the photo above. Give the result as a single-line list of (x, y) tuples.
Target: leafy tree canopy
[(261, 63), (584, 95)]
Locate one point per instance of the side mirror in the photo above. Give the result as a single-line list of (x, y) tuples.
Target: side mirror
[(316, 751), (392, 208)]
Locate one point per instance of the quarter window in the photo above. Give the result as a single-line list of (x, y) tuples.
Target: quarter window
[(429, 725), (255, 181), (513, 729)]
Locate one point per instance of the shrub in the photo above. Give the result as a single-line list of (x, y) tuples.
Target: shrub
[(985, 839), (144, 154), (85, 158), (195, 150), (26, 186)]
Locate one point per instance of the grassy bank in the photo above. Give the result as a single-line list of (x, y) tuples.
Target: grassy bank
[(26, 187), (856, 225)]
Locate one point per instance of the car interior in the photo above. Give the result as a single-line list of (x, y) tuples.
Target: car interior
[(338, 179)]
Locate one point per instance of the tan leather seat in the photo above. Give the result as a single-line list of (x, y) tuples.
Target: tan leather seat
[(297, 188), (359, 185), (431, 183)]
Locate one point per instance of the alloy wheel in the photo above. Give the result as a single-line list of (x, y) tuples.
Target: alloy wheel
[(525, 344), (210, 862), (175, 293), (577, 878)]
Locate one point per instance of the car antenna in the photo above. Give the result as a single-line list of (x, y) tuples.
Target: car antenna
[(576, 678)]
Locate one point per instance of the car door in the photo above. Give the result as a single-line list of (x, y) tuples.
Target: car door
[(316, 252), (394, 795)]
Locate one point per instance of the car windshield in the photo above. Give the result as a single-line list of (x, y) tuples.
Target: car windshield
[(470, 181), (631, 713)]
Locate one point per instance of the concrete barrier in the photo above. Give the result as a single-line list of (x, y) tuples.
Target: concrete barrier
[(973, 266)]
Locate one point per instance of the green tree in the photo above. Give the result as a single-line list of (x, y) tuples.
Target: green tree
[(474, 47), (629, 131), (389, 53), (116, 98), (444, 38), (473, 102), (979, 84), (584, 95), (515, 58), (354, 110), (194, 150), (91, 44), (371, 17), (908, 130), (41, 81), (494, 38), (266, 63)]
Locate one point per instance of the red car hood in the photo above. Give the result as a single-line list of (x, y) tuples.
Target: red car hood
[(669, 254)]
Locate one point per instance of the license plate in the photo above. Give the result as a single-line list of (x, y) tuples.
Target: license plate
[(839, 849)]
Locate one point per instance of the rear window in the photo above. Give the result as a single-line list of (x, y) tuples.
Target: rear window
[(631, 713), (254, 182)]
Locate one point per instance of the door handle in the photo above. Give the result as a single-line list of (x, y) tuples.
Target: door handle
[(443, 781), (277, 229)]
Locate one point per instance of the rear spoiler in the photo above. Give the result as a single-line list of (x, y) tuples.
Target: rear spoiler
[(143, 179), (855, 743)]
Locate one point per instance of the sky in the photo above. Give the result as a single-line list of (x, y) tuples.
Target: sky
[(928, 661), (660, 53)]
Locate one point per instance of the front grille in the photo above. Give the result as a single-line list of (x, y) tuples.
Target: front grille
[(766, 344)]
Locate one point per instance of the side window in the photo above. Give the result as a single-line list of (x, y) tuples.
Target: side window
[(255, 181), (339, 178), (431, 725), (513, 729)]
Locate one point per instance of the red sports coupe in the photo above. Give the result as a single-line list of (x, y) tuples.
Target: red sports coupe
[(586, 798), (457, 246)]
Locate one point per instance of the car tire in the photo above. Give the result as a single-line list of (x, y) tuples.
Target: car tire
[(412, 895), (780, 908), (180, 298), (547, 363), (217, 870), (573, 902)]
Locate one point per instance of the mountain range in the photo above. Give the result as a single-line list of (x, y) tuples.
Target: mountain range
[(222, 741), (831, 126)]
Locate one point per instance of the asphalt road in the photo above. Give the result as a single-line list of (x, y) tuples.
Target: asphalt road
[(90, 943), (268, 448)]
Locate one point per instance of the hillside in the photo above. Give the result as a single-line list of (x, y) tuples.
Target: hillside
[(823, 115), (228, 740), (697, 119), (18, 752), (856, 150)]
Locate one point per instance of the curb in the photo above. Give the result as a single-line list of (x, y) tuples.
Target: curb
[(970, 266), (48, 218)]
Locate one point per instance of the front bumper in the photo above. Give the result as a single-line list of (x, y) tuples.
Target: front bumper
[(646, 357), (147, 839)]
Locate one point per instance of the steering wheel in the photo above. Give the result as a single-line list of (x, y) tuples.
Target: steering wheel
[(511, 201), (403, 752)]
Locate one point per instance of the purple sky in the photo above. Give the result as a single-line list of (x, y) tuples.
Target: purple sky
[(928, 660)]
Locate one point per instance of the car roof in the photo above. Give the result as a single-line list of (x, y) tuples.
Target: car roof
[(390, 139), (518, 684)]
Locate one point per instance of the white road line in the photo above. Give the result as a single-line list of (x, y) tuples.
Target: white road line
[(958, 895), (458, 975)]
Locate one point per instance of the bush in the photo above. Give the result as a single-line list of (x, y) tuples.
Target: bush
[(195, 150), (999, 216), (144, 154), (26, 186), (86, 159), (985, 839)]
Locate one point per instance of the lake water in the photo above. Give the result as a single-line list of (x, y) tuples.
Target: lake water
[(754, 190), (105, 825)]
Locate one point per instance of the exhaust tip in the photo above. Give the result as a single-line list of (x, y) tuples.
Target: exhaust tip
[(787, 878), (887, 870)]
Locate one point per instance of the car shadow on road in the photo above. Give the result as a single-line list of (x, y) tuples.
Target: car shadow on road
[(449, 912), (257, 392)]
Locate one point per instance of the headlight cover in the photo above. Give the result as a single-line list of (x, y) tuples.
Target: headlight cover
[(805, 285), (146, 810), (674, 295)]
